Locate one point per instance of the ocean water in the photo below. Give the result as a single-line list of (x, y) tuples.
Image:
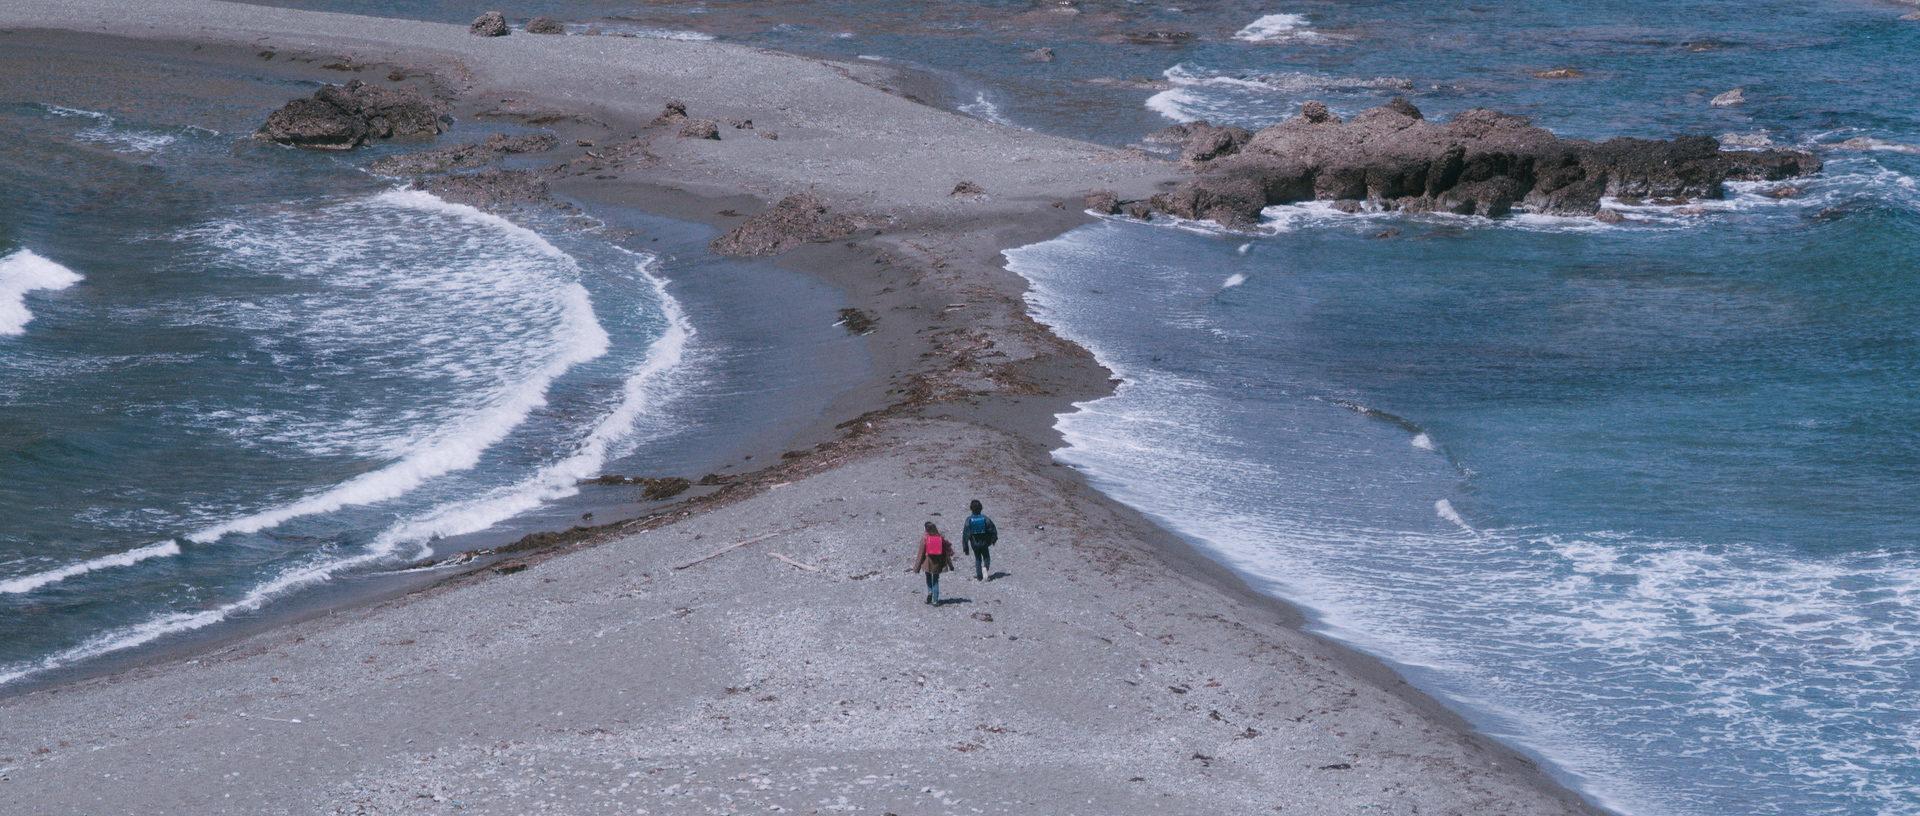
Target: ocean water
[(239, 380), (1634, 498)]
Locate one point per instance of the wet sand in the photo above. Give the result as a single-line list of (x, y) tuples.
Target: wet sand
[(1110, 670)]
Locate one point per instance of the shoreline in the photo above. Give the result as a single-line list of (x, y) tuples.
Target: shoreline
[(944, 250)]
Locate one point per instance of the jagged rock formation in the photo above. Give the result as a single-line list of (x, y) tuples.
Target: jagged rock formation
[(492, 188), (1480, 163), (463, 156), (545, 25), (797, 219), (341, 117)]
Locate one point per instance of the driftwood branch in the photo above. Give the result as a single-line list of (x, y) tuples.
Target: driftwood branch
[(724, 550), (807, 567)]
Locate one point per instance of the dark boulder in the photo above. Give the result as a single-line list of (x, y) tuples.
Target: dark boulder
[(490, 24), (340, 117), (1103, 202), (700, 129), (313, 124), (545, 25), (797, 219), (1205, 142)]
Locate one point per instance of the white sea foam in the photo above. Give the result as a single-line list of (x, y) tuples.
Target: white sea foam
[(23, 271), (29, 583), (1652, 674), (983, 108), (107, 130), (651, 33), (1278, 27), (1254, 98), (455, 446), (647, 388), (1424, 442)]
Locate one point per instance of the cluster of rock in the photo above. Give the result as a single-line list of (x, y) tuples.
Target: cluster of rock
[(654, 489), (463, 156), (1480, 163), (490, 189), (675, 113), (342, 117), (494, 24), (797, 219)]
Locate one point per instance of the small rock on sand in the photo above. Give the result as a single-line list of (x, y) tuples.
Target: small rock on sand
[(545, 25), (700, 129)]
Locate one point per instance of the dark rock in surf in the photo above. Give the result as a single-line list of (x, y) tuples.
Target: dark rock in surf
[(1205, 142), (797, 219), (490, 24), (341, 117), (437, 160), (1103, 202), (545, 25), (1040, 55), (1480, 163), (492, 188)]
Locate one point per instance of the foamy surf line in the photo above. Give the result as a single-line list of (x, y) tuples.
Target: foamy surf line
[(1275, 27), (647, 384), (459, 447), (29, 583), (25, 271)]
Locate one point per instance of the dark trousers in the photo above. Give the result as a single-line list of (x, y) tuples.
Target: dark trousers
[(982, 562)]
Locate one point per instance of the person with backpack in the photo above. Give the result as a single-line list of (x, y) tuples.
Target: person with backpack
[(936, 556), (978, 539)]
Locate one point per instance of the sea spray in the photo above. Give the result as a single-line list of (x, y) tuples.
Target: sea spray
[(23, 271)]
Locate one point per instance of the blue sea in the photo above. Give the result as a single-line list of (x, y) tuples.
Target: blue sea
[(1634, 498)]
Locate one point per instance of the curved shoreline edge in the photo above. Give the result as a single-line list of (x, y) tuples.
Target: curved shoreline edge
[(1116, 666)]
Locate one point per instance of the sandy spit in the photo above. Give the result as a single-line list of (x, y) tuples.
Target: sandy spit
[(1109, 670)]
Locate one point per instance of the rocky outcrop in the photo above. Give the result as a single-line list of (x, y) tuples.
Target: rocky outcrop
[(1205, 142), (545, 25), (492, 188), (342, 117), (1480, 163), (797, 219), (463, 156), (523, 143), (490, 24)]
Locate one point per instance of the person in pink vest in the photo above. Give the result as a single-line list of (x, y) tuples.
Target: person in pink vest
[(936, 556)]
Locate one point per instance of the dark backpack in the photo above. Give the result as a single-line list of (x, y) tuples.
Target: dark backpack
[(980, 531)]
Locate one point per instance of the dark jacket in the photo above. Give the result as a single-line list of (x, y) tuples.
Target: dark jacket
[(986, 538)]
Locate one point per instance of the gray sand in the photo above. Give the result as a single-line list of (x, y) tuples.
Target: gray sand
[(1110, 671)]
